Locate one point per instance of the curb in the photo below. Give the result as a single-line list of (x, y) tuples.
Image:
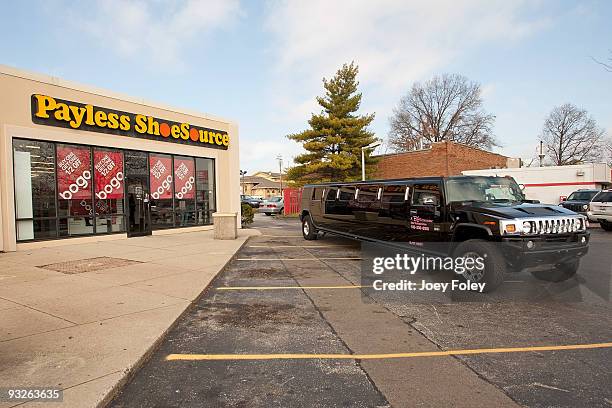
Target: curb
[(130, 373)]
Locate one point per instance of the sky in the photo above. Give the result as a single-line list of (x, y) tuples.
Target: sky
[(261, 63)]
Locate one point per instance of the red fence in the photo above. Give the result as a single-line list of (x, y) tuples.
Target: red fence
[(292, 200)]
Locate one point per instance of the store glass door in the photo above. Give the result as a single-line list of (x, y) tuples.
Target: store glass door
[(137, 193)]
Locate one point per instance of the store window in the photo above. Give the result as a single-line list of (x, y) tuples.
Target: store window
[(184, 191), (74, 190), (109, 189), (205, 198), (161, 186), (35, 200), (64, 190)]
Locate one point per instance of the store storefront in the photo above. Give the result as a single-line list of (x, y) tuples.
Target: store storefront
[(84, 163)]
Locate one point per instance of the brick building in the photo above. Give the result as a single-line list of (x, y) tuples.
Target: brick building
[(441, 159)]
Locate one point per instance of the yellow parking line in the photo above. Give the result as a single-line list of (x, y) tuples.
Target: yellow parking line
[(288, 287), (298, 259), (190, 357), (300, 246)]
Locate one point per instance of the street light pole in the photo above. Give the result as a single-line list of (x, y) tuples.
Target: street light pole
[(372, 145), (280, 171), (242, 174), (541, 155)]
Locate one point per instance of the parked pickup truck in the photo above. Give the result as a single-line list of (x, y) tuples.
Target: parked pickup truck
[(464, 215)]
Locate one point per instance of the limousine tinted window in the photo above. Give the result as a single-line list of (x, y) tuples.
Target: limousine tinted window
[(332, 193), (347, 193), (394, 194), (367, 194), (426, 194)]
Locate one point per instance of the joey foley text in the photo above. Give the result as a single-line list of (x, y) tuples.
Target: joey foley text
[(410, 265), (50, 111)]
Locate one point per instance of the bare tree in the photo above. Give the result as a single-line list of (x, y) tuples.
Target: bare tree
[(447, 107), (571, 136), (607, 151), (607, 65)]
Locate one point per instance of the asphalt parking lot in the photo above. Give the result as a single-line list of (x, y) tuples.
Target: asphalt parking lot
[(282, 294)]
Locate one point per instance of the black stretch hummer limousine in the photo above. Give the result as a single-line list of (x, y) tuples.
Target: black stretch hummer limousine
[(459, 216)]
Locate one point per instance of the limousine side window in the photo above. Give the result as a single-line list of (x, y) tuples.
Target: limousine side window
[(367, 194), (394, 194), (332, 193), (347, 193), (426, 194)]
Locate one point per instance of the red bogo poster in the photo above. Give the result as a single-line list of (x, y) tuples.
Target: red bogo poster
[(184, 178), (73, 173), (108, 173), (161, 177)]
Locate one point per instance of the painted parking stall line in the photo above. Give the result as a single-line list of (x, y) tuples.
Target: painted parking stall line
[(300, 259), (289, 287), (198, 357)]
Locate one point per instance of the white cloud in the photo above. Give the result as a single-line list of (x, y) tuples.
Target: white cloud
[(394, 42), (155, 32)]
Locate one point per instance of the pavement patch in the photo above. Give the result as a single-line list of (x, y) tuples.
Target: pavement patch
[(88, 265)]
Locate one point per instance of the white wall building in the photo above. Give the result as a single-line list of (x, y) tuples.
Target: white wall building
[(551, 184)]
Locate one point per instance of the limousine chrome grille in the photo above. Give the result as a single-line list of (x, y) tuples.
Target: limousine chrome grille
[(544, 225)]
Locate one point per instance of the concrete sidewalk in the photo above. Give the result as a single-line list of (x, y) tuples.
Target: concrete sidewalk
[(82, 325)]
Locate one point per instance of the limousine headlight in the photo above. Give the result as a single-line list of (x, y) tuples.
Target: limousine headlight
[(535, 226)]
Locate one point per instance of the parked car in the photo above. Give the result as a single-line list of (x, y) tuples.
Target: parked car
[(579, 200), (272, 205), (254, 202), (600, 209), (463, 215)]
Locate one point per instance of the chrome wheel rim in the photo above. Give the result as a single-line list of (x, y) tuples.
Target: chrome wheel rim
[(306, 228), (473, 274)]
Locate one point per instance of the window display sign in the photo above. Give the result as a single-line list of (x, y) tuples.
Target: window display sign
[(50, 111), (108, 173), (184, 178), (73, 173), (161, 177)]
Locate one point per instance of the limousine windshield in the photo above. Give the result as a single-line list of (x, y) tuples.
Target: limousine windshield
[(483, 189)]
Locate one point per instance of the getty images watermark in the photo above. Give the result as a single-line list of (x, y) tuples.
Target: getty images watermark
[(472, 266)]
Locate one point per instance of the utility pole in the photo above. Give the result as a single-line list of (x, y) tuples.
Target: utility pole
[(280, 171), (541, 155)]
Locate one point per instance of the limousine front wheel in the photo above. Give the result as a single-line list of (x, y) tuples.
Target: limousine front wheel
[(308, 229), (485, 254)]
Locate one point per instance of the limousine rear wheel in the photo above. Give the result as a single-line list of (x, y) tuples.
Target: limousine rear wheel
[(308, 229), (494, 264)]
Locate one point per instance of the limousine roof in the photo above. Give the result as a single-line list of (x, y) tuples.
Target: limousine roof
[(397, 181)]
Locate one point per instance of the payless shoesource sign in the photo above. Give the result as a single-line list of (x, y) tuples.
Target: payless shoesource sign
[(51, 111)]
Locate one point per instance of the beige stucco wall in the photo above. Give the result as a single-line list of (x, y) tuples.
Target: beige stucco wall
[(16, 88)]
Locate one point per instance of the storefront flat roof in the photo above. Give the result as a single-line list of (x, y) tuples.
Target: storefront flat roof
[(51, 80)]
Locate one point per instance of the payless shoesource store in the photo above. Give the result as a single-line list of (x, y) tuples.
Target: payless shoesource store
[(87, 164)]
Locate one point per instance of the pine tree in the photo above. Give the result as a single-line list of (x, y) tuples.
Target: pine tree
[(336, 135)]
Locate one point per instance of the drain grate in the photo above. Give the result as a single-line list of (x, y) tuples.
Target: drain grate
[(88, 265)]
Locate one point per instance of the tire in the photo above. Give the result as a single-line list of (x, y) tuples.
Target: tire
[(559, 273), (268, 214), (308, 230), (606, 226), (494, 264)]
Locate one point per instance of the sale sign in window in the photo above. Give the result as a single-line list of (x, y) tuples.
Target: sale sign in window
[(161, 176), (184, 178), (108, 173), (73, 173)]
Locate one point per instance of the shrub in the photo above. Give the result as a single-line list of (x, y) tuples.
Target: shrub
[(247, 214)]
